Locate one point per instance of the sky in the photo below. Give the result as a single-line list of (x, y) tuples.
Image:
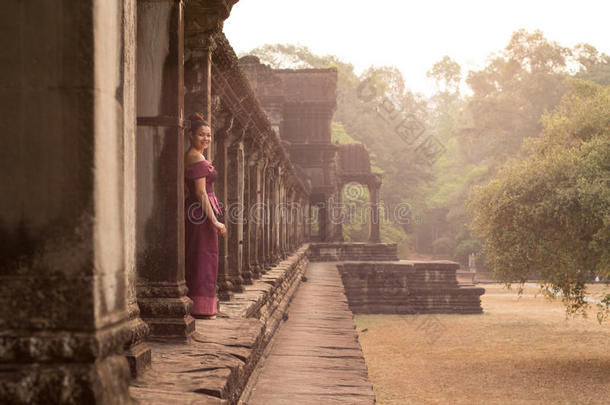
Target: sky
[(413, 35)]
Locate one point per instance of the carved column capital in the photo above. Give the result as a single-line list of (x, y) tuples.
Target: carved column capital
[(223, 123), (205, 17)]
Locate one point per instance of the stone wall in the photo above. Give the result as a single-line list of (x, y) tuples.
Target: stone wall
[(330, 252), (408, 287), (67, 200)]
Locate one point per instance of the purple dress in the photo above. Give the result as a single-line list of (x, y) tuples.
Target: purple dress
[(201, 241)]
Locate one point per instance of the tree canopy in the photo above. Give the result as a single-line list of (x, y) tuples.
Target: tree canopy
[(547, 216)]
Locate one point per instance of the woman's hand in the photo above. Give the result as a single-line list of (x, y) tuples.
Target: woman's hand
[(222, 229)]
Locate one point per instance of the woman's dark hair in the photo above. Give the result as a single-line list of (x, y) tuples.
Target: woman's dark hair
[(197, 121)]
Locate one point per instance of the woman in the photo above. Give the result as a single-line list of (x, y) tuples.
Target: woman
[(202, 226)]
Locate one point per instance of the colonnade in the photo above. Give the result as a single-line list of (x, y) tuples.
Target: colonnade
[(99, 268)]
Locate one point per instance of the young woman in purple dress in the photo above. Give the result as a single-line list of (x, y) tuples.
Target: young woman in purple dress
[(202, 226)]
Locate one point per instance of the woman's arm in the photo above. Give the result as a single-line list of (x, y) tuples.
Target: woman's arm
[(206, 206)]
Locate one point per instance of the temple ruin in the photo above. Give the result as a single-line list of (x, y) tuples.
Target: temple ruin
[(92, 288)]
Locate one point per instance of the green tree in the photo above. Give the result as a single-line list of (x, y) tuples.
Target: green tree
[(447, 74), (547, 216), (511, 93)]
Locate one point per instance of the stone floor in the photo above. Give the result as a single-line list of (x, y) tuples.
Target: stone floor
[(315, 356), (217, 362), (211, 369)]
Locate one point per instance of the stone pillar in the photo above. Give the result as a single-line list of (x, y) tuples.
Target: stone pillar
[(269, 206), (234, 217), (247, 273), (259, 260), (275, 217), (337, 216), (299, 218), (68, 131), (323, 222), (251, 206), (307, 220), (288, 226), (198, 69), (304, 207), (221, 129), (137, 351), (374, 185), (160, 149), (203, 20), (282, 216), (292, 207)]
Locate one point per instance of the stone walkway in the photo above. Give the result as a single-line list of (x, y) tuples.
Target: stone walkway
[(315, 357)]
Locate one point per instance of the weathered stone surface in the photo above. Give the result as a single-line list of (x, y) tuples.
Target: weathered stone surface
[(315, 357), (67, 247), (264, 296), (361, 251), (407, 287), (213, 367)]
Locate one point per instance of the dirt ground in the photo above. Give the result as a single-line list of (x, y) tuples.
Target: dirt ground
[(522, 350)]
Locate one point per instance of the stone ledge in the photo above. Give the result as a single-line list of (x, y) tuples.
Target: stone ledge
[(257, 300), (214, 366), (360, 251)]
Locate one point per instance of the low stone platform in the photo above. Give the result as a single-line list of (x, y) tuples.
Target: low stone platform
[(214, 366), (361, 251), (408, 287)]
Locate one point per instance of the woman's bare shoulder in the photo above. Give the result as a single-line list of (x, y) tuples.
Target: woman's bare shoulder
[(193, 157)]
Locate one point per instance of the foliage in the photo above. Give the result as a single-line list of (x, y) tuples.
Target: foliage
[(547, 216), (339, 135), (447, 74)]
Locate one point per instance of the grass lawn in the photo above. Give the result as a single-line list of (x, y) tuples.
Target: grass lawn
[(520, 351)]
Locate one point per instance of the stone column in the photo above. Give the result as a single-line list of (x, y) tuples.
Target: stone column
[(68, 129), (223, 124), (374, 185), (304, 206), (161, 286), (234, 217), (137, 351), (246, 269), (288, 226), (298, 219), (307, 218), (200, 47), (269, 207), (291, 225), (282, 216), (323, 222), (275, 217), (251, 206), (337, 216), (258, 246), (203, 20)]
